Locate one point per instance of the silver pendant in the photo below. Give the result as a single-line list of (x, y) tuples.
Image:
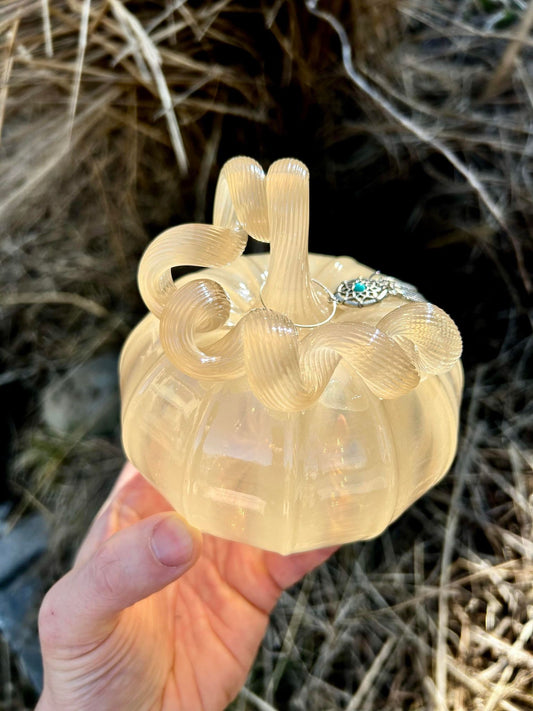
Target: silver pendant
[(370, 290)]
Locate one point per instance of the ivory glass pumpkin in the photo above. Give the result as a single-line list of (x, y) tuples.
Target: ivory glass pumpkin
[(262, 409)]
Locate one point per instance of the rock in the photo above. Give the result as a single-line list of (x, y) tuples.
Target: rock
[(20, 546), (20, 589), (86, 399)]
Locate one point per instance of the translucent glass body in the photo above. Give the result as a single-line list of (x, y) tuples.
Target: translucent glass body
[(258, 430)]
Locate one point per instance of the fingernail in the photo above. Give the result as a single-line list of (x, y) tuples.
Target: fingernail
[(172, 542)]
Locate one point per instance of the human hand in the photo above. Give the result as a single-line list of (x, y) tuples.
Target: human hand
[(153, 616)]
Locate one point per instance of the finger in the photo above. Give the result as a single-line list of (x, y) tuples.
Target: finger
[(128, 503), (141, 497), (103, 523), (83, 607), (287, 570), (128, 473)]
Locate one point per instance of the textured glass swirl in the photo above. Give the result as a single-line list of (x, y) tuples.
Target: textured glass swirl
[(262, 431), (287, 367)]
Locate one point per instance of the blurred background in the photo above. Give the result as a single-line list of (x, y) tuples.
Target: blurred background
[(415, 119)]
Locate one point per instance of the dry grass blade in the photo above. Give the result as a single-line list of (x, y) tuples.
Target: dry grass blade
[(6, 74), (22, 181), (47, 29), (474, 433), (289, 637), (82, 44), (511, 53), (475, 687), (369, 678), (255, 701), (153, 60), (54, 297), (90, 75)]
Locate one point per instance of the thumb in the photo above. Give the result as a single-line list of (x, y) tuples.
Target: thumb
[(82, 607)]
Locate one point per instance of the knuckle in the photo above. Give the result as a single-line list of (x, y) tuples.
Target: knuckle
[(49, 620)]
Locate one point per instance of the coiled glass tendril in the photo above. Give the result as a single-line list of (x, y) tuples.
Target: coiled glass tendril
[(287, 368)]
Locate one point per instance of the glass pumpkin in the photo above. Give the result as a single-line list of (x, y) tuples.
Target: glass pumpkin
[(263, 407)]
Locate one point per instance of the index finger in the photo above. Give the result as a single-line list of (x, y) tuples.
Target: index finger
[(132, 499)]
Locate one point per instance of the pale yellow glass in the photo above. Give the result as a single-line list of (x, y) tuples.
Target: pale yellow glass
[(262, 431)]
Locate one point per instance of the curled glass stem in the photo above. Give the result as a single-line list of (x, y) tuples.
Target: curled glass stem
[(286, 369)]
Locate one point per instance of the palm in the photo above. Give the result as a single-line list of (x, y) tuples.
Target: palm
[(191, 645)]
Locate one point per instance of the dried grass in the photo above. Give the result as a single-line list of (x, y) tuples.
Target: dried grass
[(114, 120)]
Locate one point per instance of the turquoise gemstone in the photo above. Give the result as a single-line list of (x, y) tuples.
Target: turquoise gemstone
[(359, 287)]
